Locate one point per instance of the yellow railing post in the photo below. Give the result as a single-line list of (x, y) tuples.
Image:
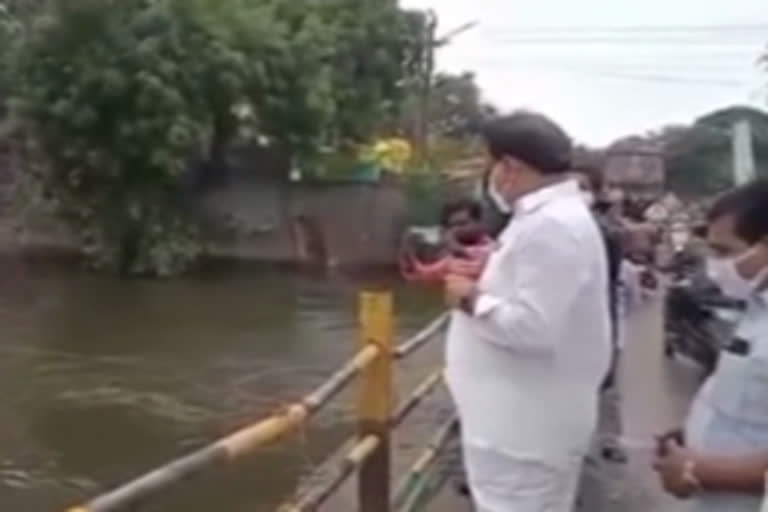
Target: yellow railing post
[(375, 400)]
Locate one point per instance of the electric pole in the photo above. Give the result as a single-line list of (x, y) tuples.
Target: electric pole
[(743, 152), (431, 44)]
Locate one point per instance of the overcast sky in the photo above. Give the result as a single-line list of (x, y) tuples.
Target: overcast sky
[(608, 68)]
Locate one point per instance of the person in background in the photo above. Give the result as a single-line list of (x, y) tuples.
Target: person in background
[(719, 461), (464, 237), (529, 342), (610, 426)]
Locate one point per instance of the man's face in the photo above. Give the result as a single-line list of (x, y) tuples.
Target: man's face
[(504, 177), (724, 243), (462, 222), (722, 238)]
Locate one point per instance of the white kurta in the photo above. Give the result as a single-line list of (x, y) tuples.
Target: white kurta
[(526, 368)]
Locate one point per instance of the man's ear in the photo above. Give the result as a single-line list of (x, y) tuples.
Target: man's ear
[(510, 163)]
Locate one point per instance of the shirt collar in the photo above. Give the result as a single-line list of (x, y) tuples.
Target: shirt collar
[(538, 198)]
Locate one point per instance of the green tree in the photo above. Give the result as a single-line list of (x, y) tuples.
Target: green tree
[(698, 158), (375, 44), (457, 107), (10, 32), (116, 111)]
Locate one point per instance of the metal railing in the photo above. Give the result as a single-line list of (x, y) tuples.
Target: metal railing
[(368, 453)]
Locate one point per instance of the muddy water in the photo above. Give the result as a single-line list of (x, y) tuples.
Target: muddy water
[(102, 379)]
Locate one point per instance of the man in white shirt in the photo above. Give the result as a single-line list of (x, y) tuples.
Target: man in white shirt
[(529, 342)]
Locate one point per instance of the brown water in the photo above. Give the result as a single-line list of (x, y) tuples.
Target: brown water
[(102, 379)]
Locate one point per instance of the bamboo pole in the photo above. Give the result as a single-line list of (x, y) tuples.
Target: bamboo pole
[(331, 387), (314, 498), (374, 404), (426, 387), (233, 447), (374, 360), (424, 491), (422, 337), (410, 483)]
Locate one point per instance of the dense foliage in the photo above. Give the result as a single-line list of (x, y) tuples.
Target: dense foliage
[(119, 97), (699, 159), (455, 107)]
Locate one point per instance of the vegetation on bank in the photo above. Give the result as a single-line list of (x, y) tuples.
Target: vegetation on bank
[(121, 106), (119, 102)]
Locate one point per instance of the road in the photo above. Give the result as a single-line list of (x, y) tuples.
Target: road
[(656, 393)]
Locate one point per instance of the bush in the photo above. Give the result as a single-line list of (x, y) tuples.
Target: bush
[(116, 112), (118, 97)]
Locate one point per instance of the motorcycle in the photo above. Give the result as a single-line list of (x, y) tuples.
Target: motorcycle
[(698, 320)]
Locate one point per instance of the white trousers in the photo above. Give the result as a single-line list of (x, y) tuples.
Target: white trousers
[(504, 483)]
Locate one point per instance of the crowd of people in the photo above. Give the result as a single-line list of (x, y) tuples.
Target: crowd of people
[(536, 334)]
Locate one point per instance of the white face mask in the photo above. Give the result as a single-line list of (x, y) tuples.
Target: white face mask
[(724, 273), (497, 197), (588, 197), (679, 239)]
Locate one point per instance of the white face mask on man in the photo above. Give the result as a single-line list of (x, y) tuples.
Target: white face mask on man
[(496, 196), (498, 199), (724, 272)]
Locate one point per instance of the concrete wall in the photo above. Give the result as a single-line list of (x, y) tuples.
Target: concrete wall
[(334, 224), (251, 213)]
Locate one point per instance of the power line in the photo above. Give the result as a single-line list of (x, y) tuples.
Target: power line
[(653, 77), (522, 40), (760, 28), (655, 63), (693, 34), (632, 75)]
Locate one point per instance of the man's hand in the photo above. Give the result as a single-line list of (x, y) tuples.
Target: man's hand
[(670, 464), (459, 289), (466, 267), (676, 434)]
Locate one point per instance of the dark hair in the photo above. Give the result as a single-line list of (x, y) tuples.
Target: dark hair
[(531, 138), (592, 173), (749, 206), (472, 207), (700, 230)]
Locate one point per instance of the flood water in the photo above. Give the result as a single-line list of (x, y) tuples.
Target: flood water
[(103, 379)]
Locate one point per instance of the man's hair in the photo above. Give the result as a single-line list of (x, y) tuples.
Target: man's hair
[(748, 204), (531, 138), (592, 173), (472, 207)]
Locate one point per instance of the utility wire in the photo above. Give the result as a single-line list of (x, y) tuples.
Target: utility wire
[(521, 40), (678, 73), (642, 76), (661, 78), (702, 34), (728, 67), (758, 28)]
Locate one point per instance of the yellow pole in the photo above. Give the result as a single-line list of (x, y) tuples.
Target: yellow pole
[(374, 405)]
